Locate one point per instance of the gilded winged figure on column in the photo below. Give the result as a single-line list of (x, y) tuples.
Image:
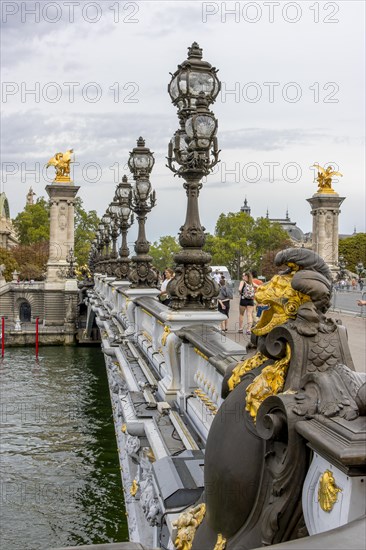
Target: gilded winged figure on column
[(61, 162)]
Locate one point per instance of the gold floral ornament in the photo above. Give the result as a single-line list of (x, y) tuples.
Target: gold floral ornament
[(243, 367), (134, 488), (165, 335), (269, 382), (187, 525), (61, 162), (324, 178), (220, 543), (327, 491)]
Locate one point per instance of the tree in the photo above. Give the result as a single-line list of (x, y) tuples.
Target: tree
[(33, 224), (32, 260), (353, 249), (240, 242), (86, 225), (163, 252), (7, 259)]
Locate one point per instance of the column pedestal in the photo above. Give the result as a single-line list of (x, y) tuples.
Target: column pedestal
[(325, 211), (62, 198)]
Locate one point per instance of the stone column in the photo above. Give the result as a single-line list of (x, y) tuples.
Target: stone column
[(61, 229), (325, 211)]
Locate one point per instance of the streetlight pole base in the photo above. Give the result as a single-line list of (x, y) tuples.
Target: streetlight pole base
[(193, 287)]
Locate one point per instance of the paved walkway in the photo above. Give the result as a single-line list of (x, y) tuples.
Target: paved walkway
[(355, 325)]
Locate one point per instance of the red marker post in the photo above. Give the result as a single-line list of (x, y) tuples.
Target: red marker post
[(2, 337), (37, 327)]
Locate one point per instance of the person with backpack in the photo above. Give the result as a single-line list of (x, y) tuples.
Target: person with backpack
[(246, 304), (225, 295)]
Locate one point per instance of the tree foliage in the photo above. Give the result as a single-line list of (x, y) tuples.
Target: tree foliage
[(33, 224), (7, 259), (86, 225), (163, 251), (240, 242), (32, 260), (353, 249)]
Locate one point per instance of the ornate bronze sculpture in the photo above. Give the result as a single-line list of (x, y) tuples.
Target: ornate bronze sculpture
[(257, 455)]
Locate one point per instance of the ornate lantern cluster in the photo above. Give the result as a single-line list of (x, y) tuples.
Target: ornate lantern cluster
[(114, 222), (118, 218), (192, 153), (142, 200)]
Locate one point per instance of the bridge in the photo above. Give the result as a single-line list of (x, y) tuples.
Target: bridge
[(166, 371)]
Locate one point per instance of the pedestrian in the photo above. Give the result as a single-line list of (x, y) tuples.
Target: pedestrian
[(360, 283), (246, 292), (217, 276), (164, 296), (257, 283), (225, 295)]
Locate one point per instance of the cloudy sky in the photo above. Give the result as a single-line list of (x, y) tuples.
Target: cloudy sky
[(93, 76)]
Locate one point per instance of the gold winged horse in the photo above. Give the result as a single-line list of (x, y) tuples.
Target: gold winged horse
[(324, 178), (61, 162)]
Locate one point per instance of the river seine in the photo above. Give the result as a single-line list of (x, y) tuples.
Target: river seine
[(60, 477)]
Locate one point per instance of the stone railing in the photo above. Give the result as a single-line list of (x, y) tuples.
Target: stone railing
[(165, 372)]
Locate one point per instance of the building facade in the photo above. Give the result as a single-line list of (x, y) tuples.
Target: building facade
[(8, 237)]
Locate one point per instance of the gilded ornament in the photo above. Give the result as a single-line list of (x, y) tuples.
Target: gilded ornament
[(200, 354), (324, 178), (165, 335), (269, 382), (61, 162), (245, 366), (124, 428), (327, 491), (134, 488), (220, 543), (283, 302), (187, 525)]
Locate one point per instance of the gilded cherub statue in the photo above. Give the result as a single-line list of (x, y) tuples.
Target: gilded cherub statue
[(61, 162), (324, 178)]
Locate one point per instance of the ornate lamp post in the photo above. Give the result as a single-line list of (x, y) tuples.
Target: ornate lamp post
[(193, 87), (70, 258), (342, 268), (360, 269), (100, 247), (113, 211), (106, 220), (125, 220), (143, 199)]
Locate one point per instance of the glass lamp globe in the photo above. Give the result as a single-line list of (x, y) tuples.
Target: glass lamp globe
[(141, 159), (191, 78), (125, 213), (143, 188)]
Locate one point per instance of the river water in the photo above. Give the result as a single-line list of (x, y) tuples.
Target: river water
[(60, 477)]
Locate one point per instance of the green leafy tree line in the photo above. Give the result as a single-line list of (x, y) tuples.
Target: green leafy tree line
[(353, 249), (241, 243), (33, 225)]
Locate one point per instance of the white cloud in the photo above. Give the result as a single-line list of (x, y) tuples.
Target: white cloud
[(321, 62)]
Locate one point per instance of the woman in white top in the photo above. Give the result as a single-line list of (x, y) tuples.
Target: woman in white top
[(163, 296)]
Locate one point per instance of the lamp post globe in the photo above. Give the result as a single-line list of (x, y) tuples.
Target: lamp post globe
[(192, 77)]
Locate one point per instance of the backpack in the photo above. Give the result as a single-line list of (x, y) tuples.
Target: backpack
[(247, 291)]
